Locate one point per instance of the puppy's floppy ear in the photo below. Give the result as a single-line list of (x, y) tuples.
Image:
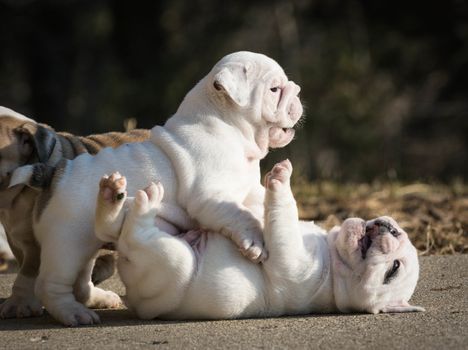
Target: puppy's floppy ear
[(402, 306), (36, 138), (233, 82), (24, 135)]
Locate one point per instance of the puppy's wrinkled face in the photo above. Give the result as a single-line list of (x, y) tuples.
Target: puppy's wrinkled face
[(281, 108), (257, 86), (375, 266)]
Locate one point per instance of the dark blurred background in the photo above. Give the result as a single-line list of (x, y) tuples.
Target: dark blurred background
[(385, 83)]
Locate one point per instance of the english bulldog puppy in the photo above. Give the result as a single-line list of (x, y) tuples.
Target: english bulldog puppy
[(23, 141), (362, 266), (207, 156)]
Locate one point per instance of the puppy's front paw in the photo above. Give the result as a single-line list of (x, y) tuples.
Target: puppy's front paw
[(74, 314), (20, 307), (250, 243), (279, 177), (112, 189), (254, 250)]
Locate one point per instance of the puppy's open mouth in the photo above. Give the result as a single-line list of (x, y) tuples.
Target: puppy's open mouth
[(288, 131), (280, 137), (373, 228), (366, 241)]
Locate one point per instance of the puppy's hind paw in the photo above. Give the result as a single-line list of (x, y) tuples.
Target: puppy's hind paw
[(112, 189), (149, 199), (104, 299), (155, 192)]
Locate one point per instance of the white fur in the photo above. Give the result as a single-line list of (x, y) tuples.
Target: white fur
[(12, 113), (166, 278), (20, 175), (5, 250), (206, 156)]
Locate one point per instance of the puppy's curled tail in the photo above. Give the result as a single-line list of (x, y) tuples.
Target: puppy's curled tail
[(37, 176)]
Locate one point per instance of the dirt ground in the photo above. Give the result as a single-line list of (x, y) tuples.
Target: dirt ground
[(442, 291), (435, 216)]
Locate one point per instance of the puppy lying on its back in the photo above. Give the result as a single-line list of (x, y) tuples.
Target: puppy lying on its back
[(358, 267), (24, 141)]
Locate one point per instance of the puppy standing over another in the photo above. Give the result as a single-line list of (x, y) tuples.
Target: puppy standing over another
[(207, 155), (24, 141), (358, 267)]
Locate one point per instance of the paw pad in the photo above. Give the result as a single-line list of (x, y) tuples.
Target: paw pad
[(112, 188), (279, 175)]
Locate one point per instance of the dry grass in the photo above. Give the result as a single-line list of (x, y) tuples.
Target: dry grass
[(435, 216)]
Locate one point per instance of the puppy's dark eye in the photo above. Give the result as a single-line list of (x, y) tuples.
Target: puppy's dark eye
[(391, 274), (274, 89)]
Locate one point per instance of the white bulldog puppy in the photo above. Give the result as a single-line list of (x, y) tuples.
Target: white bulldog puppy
[(207, 156), (358, 267)]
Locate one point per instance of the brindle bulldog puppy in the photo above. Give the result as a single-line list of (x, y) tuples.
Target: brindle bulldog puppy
[(24, 141)]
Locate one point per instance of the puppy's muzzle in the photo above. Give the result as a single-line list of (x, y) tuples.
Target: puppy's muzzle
[(380, 227), (289, 108), (373, 229)]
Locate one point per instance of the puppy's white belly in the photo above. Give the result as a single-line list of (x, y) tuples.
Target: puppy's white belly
[(224, 285), (219, 283)]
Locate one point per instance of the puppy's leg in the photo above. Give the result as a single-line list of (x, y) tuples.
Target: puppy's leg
[(154, 266), (233, 220), (23, 302), (59, 270), (282, 237), (91, 296), (58, 273), (109, 210)]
